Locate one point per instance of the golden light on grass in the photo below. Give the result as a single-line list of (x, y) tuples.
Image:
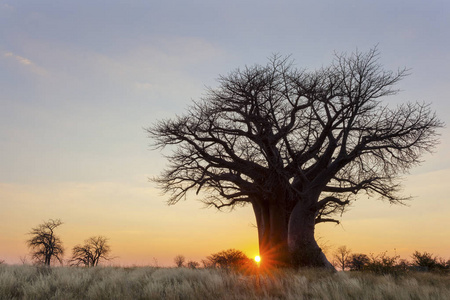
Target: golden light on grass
[(257, 258)]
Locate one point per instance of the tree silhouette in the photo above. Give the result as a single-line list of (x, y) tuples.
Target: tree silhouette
[(358, 261), (298, 146), (94, 249), (229, 259), (179, 260), (342, 257), (44, 244), (428, 261), (193, 264)]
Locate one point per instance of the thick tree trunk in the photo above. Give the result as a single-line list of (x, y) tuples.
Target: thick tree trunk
[(287, 239), (272, 234), (304, 250)]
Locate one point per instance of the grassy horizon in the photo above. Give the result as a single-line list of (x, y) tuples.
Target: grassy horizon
[(32, 282)]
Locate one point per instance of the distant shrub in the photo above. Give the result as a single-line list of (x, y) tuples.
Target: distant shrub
[(424, 260), (384, 264), (193, 264), (230, 259), (379, 264), (358, 262), (428, 262), (403, 265)]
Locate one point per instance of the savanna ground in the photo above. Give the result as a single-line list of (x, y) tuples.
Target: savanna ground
[(32, 282)]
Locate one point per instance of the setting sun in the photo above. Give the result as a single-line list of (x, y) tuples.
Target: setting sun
[(257, 258)]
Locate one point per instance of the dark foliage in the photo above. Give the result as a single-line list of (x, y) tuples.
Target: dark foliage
[(358, 262), (428, 262), (230, 259), (385, 264)]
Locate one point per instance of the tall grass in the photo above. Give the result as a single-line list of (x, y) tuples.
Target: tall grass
[(29, 282)]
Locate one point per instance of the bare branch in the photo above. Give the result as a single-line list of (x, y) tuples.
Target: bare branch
[(323, 220)]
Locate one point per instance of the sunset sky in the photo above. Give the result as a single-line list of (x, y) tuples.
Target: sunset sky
[(80, 80)]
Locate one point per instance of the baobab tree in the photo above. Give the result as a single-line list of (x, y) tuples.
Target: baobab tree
[(94, 249), (44, 244), (298, 146)]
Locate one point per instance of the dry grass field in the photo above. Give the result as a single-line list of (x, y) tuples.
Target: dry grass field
[(31, 282)]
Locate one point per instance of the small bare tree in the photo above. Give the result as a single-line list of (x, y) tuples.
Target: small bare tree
[(44, 244), (93, 250), (179, 260), (342, 257)]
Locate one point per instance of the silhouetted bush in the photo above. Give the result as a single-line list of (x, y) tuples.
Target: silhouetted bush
[(193, 264), (379, 264), (230, 259), (384, 264), (358, 262), (428, 262), (424, 260)]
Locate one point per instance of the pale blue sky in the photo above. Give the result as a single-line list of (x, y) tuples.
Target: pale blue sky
[(79, 80)]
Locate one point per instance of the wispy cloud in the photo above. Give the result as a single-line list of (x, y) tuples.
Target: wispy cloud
[(20, 59), (25, 62)]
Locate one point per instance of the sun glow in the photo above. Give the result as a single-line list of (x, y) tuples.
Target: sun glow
[(257, 258)]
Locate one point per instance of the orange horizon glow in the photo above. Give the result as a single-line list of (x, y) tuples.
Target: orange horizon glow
[(148, 232)]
